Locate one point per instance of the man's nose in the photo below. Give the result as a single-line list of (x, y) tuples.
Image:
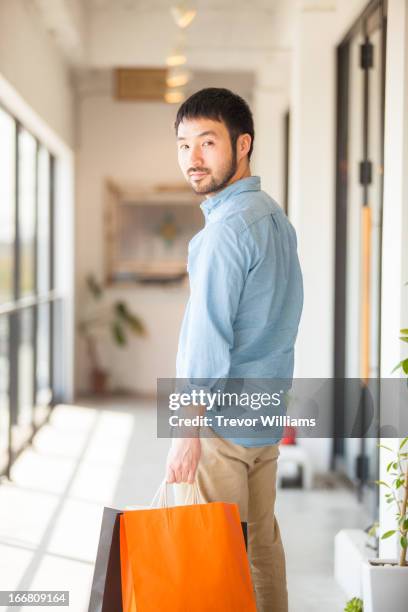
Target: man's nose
[(196, 158)]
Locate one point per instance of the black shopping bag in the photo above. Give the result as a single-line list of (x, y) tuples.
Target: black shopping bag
[(106, 593)]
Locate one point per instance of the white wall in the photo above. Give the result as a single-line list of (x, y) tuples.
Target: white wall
[(134, 144), (31, 63)]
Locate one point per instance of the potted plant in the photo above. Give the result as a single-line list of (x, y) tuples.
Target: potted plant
[(354, 605), (385, 581), (116, 318)]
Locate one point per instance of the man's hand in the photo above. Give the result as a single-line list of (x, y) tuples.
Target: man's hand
[(182, 460)]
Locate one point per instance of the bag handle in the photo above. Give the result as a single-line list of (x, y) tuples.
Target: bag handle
[(160, 499)]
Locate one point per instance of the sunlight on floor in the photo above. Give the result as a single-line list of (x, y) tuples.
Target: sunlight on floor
[(50, 514)]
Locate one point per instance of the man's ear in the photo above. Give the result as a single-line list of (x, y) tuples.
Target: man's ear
[(243, 145)]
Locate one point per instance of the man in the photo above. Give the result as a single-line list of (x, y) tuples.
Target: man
[(241, 321)]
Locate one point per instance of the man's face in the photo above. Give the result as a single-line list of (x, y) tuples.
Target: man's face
[(205, 154)]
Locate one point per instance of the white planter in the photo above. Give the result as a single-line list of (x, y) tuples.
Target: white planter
[(384, 587), (350, 552)]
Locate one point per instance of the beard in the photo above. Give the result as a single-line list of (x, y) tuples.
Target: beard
[(216, 183)]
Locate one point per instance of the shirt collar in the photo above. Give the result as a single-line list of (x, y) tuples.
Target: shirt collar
[(250, 183)]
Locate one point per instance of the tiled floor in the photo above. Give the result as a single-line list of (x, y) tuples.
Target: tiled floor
[(94, 455)]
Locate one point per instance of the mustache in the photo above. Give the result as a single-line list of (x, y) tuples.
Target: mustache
[(191, 170)]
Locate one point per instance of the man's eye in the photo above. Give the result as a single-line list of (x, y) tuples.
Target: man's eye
[(207, 142), (183, 146)]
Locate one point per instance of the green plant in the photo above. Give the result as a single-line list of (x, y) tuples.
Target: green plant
[(398, 469), (354, 605), (403, 365), (117, 317)]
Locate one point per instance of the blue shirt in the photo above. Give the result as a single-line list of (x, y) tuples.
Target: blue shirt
[(246, 293)]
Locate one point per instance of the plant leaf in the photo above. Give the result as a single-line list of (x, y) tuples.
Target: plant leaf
[(403, 542), (94, 287), (354, 605), (402, 364), (118, 333), (381, 482), (372, 530), (386, 447), (134, 323), (405, 440), (120, 308), (388, 534), (397, 367), (405, 524)]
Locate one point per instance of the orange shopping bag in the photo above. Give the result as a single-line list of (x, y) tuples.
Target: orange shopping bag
[(188, 558), (128, 590)]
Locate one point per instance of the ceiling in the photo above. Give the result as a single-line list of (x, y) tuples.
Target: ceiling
[(264, 5), (225, 35)]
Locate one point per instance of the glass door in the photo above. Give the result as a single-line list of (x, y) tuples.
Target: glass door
[(358, 238)]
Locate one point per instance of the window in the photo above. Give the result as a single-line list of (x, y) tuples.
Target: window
[(27, 300), (7, 199), (27, 154), (43, 274), (44, 221)]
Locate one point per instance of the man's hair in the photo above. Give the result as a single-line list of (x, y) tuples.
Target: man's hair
[(221, 105)]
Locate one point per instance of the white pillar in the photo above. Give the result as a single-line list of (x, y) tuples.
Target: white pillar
[(311, 203), (271, 101), (394, 304), (320, 27)]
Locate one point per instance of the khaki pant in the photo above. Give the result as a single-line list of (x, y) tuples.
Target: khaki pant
[(232, 473)]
